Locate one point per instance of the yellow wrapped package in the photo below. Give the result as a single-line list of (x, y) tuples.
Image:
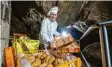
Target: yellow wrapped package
[(25, 45), (17, 46)]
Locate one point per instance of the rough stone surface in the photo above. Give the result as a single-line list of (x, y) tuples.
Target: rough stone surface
[(99, 11), (4, 28), (30, 14), (93, 54)]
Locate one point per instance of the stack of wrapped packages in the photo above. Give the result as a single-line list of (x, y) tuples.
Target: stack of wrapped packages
[(28, 54), (53, 60), (65, 44)]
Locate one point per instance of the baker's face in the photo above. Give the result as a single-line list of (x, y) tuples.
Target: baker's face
[(53, 16)]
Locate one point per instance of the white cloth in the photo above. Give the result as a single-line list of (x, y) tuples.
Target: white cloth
[(48, 29), (25, 63), (53, 10), (80, 26)]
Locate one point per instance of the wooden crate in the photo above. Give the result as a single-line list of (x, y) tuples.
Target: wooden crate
[(62, 41), (9, 57), (77, 62)]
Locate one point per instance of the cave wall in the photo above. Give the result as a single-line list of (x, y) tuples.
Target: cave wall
[(27, 15), (93, 54), (99, 10), (4, 27)]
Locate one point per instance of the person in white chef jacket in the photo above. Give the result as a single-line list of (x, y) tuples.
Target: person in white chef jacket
[(49, 28)]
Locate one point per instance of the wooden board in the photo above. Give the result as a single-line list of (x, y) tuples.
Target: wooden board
[(9, 57)]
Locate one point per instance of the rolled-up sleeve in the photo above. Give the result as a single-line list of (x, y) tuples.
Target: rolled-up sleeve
[(56, 33), (44, 31)]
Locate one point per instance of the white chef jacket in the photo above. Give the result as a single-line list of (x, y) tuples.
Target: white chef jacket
[(48, 30)]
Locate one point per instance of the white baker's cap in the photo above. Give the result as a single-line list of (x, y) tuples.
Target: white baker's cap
[(53, 10)]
